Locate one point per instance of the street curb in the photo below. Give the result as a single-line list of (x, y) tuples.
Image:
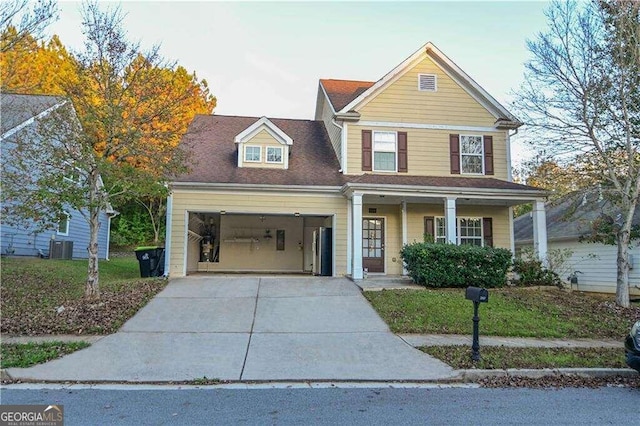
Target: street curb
[(472, 375), (4, 375)]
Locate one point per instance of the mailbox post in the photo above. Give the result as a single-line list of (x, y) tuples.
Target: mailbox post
[(477, 295)]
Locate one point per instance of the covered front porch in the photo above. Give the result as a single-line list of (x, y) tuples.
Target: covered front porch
[(383, 218)]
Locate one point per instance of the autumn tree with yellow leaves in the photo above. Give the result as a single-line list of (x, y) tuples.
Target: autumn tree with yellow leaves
[(119, 132)]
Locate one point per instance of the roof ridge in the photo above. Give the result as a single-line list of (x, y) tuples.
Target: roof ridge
[(256, 118), (349, 80)]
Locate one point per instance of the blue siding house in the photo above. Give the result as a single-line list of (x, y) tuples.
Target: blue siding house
[(20, 113)]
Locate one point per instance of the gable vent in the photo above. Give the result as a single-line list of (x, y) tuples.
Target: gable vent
[(427, 82)]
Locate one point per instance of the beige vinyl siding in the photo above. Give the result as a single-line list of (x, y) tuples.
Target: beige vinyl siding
[(500, 215), (256, 203), (393, 234), (264, 139), (428, 151), (402, 102), (597, 262), (335, 134)]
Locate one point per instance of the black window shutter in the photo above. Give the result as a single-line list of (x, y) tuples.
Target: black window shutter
[(429, 227), (402, 152), (454, 152), (487, 230), (488, 155), (366, 150)]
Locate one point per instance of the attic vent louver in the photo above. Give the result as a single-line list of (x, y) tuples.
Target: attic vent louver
[(427, 82)]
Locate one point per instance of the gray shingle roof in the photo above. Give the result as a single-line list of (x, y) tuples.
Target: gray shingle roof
[(569, 217), (16, 109)]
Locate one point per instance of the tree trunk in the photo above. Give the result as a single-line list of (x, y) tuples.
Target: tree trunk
[(622, 281), (92, 289)]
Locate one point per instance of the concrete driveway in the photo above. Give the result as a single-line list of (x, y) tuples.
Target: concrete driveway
[(249, 328)]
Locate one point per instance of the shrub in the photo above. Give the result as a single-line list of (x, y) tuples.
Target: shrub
[(532, 272), (447, 265)]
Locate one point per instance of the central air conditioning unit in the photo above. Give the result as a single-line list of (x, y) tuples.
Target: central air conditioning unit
[(60, 249)]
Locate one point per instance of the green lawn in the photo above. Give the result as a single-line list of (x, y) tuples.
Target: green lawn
[(517, 312), (44, 296), (500, 357), (28, 354)]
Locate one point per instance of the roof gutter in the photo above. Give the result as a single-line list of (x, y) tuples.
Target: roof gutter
[(253, 187), (351, 187)]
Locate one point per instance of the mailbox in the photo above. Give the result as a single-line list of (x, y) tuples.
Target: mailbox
[(477, 294)]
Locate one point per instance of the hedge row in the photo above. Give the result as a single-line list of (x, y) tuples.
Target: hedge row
[(448, 265)]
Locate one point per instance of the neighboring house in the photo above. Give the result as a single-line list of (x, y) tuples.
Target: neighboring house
[(568, 219), (424, 150), (19, 116)]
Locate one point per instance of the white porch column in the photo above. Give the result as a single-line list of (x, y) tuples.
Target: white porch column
[(403, 211), (540, 231), (450, 220), (356, 211)]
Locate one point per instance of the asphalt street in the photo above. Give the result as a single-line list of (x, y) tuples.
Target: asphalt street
[(352, 406)]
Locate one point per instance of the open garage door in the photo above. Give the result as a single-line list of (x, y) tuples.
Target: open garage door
[(267, 243)]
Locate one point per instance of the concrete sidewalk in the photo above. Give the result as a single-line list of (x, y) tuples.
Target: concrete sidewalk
[(415, 340), (248, 328)]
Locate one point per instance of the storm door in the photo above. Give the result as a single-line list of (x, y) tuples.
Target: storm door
[(373, 244)]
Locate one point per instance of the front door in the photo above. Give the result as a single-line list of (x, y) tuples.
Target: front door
[(373, 244)]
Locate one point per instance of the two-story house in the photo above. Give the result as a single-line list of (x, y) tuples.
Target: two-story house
[(23, 117), (424, 151)]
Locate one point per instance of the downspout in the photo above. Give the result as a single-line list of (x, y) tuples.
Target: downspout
[(109, 217)]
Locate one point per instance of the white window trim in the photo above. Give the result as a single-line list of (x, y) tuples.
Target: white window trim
[(462, 172), (64, 234), (435, 78), (458, 233), (373, 151), (252, 161), (266, 155)]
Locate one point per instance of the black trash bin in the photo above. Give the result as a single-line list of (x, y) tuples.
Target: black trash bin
[(151, 261)]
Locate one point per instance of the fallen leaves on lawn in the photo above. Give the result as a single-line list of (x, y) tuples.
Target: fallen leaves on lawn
[(78, 316), (562, 381)]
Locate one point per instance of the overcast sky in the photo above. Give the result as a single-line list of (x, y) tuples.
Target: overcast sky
[(266, 58)]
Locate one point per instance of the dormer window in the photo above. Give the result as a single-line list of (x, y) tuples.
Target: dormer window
[(252, 154), (274, 154), (263, 145)]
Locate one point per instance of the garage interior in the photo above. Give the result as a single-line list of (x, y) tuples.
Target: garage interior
[(239, 242)]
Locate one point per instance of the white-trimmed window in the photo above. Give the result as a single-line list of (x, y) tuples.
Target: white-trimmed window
[(385, 151), (63, 225), (469, 230), (274, 154), (427, 82), (440, 230), (252, 154), (471, 155)]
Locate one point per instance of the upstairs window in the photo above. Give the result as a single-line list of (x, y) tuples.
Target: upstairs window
[(384, 151), (252, 154), (274, 154), (427, 82), (471, 155)]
